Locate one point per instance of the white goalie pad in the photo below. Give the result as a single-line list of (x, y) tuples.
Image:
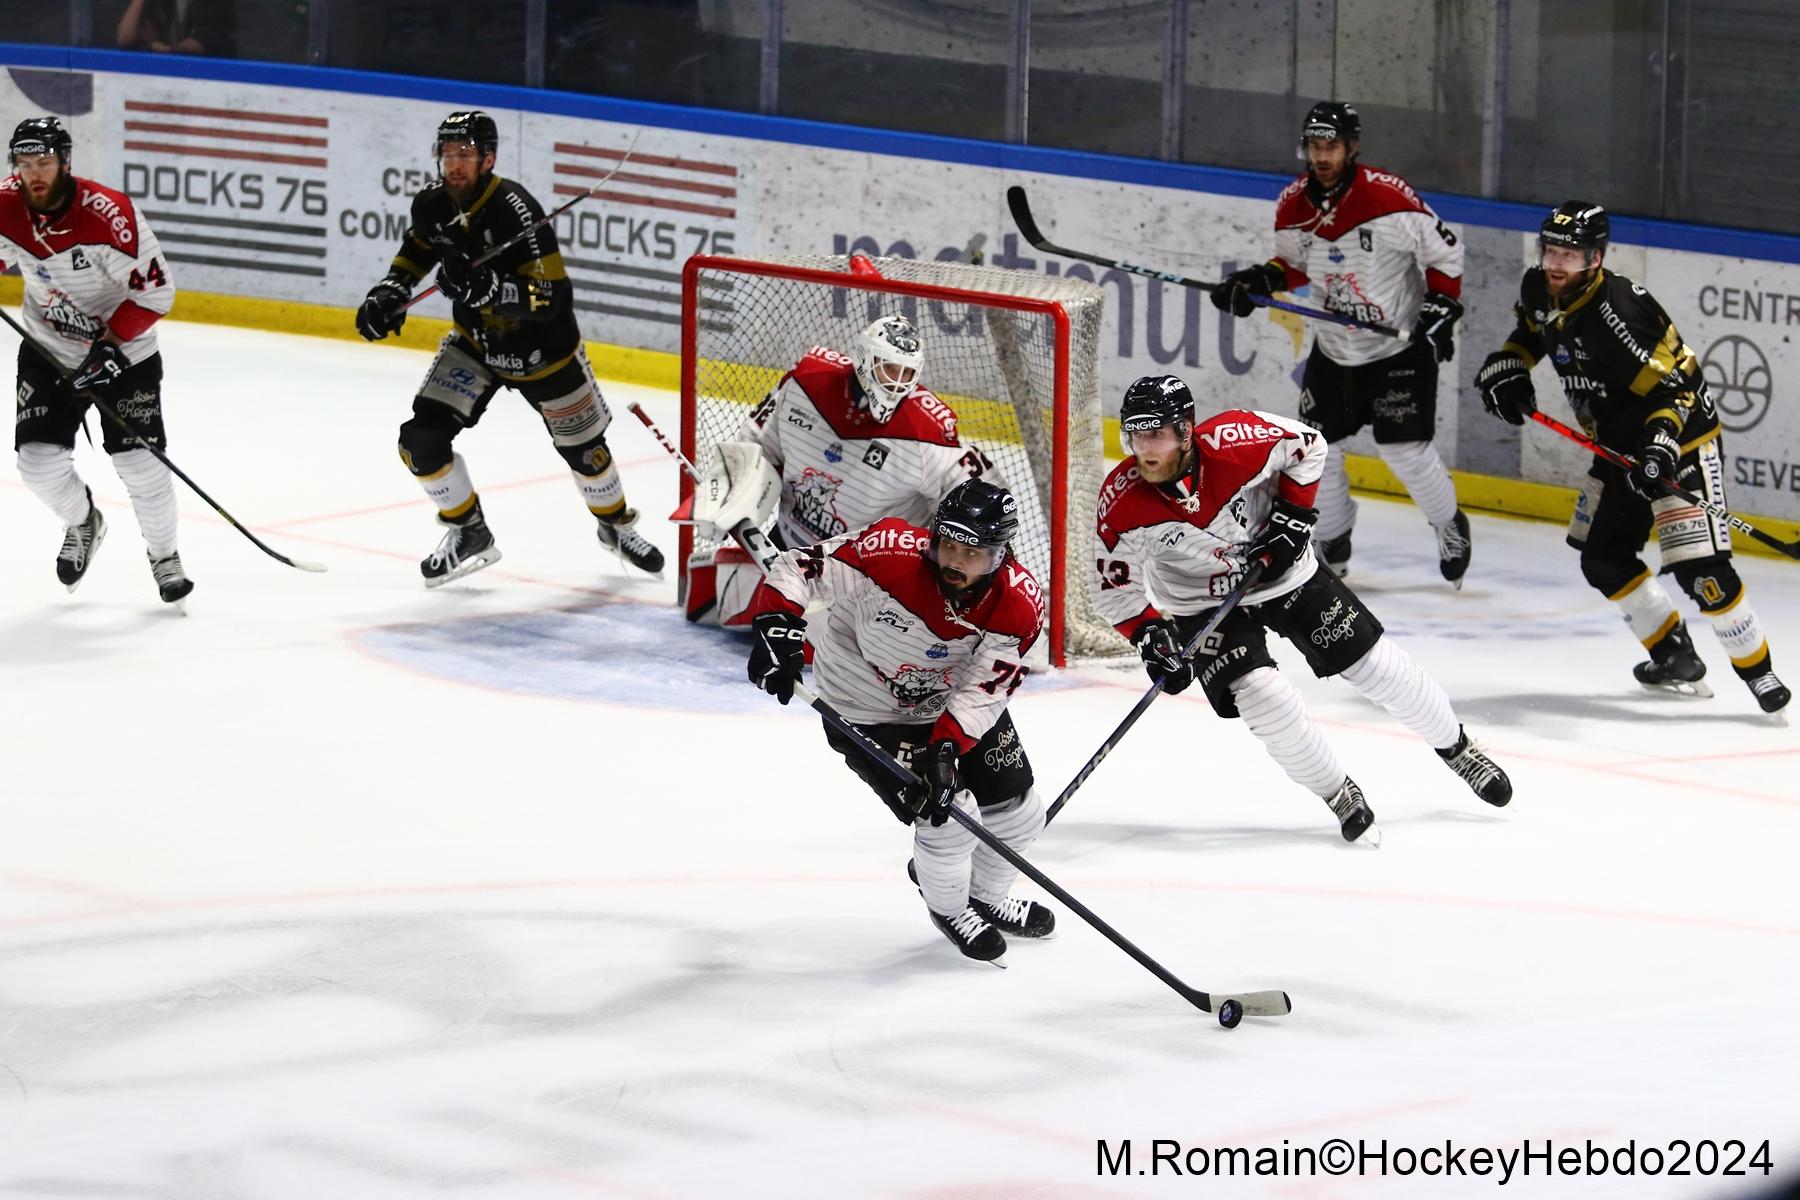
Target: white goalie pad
[(739, 485)]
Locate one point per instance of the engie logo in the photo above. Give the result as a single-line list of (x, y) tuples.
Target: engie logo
[(1737, 373)]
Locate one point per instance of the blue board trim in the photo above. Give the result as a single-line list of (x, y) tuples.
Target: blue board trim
[(1221, 181)]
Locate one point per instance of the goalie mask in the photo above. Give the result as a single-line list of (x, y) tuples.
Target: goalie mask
[(971, 536), (888, 361)]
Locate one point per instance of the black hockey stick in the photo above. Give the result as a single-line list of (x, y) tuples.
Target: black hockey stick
[(1021, 213), (1231, 1008), (538, 224), (112, 415), (1225, 606), (1791, 549)]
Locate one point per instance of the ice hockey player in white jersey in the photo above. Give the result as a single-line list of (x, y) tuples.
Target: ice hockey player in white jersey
[(853, 438), (1179, 524), (96, 283), (921, 643), (1377, 253)]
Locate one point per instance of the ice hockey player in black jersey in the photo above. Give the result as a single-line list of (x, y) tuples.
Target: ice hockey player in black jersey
[(515, 328), (1637, 388)]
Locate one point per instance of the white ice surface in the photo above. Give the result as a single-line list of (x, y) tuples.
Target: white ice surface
[(342, 888)]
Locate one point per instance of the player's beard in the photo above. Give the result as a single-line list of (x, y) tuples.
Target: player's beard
[(1166, 471), (464, 193), (55, 197)]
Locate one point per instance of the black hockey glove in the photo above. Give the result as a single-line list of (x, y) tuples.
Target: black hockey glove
[(941, 778), (777, 653), (381, 313), (461, 280), (1657, 455), (1283, 540), (1504, 382), (1234, 291), (1436, 327), (1160, 646), (101, 368)]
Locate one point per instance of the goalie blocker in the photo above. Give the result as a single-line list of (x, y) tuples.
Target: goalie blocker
[(739, 486)]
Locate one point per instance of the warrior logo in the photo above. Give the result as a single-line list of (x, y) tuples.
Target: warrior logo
[(921, 691), (815, 504)]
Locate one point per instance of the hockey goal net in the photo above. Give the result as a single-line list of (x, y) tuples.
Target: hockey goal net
[(1016, 354)]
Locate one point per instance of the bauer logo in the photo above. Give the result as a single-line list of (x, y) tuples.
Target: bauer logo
[(1738, 376)]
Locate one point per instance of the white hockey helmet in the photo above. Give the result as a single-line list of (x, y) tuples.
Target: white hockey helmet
[(888, 362)]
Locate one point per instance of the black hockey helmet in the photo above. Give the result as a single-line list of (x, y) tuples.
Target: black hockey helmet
[(1331, 119), (977, 514), (39, 135), (1154, 402), (473, 126), (1579, 225)]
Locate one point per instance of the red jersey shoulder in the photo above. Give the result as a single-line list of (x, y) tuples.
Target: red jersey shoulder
[(106, 216), (1239, 427), (1293, 206), (921, 417), (1373, 194), (1127, 503), (1017, 607)]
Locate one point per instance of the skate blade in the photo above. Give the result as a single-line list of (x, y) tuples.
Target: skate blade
[(469, 566), (1370, 837), (178, 607), (1697, 689), (1778, 717)]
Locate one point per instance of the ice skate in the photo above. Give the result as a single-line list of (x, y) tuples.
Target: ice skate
[(1475, 768), (970, 932), (1336, 553), (172, 583), (1017, 918), (466, 548), (1674, 667), (1771, 694), (1355, 818), (1453, 548), (620, 534), (80, 541)]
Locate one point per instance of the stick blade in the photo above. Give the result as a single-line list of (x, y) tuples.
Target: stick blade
[(302, 564), (1021, 214), (1274, 1003)]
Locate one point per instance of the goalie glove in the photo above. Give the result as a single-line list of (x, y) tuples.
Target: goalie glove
[(1284, 539), (777, 652), (1160, 648), (740, 486)]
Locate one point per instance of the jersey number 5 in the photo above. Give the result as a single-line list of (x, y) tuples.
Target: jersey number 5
[(151, 276)]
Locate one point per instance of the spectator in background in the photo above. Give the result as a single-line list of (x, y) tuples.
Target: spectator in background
[(179, 27)]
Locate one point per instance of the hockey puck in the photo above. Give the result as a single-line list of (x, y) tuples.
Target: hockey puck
[(1230, 1013)]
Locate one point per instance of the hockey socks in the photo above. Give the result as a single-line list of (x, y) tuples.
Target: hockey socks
[(1388, 676), (1272, 709)]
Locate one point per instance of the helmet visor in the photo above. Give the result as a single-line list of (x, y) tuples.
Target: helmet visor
[(1157, 441)]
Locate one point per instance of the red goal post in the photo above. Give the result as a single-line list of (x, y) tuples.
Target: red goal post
[(1015, 353)]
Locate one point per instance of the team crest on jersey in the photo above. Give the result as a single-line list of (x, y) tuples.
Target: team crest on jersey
[(62, 315), (834, 453), (922, 691), (875, 455), (1561, 355), (937, 650), (1334, 254), (1344, 295), (815, 503)]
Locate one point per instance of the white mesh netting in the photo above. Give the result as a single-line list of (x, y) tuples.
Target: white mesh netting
[(995, 366)]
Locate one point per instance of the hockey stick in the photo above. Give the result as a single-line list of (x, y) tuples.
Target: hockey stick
[(1187, 652), (1021, 213), (559, 210), (112, 415), (1791, 549), (1231, 1008)]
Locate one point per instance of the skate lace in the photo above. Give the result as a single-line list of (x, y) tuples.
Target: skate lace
[(446, 553), (167, 570), (1765, 683), (1451, 542), (1474, 768), (968, 925), (74, 543), (1348, 800), (1011, 910)]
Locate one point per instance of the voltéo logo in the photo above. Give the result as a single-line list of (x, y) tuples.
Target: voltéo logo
[(1737, 373)]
